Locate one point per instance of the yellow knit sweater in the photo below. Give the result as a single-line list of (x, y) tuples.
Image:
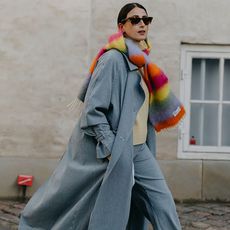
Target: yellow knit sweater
[(140, 126)]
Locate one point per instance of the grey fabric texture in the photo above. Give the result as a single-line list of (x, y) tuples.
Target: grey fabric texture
[(86, 191), (150, 194)]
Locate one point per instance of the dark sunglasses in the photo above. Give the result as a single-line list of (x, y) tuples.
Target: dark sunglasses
[(136, 20)]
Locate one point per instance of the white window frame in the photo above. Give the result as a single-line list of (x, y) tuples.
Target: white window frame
[(188, 51)]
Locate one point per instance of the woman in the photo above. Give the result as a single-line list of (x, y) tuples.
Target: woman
[(109, 178)]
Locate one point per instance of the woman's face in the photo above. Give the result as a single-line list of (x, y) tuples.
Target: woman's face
[(137, 32)]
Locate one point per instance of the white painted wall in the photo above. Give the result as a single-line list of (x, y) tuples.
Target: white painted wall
[(43, 55)]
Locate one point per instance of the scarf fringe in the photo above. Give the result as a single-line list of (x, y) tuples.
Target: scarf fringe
[(171, 122)]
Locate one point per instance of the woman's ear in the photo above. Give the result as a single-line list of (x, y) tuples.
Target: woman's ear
[(120, 27)]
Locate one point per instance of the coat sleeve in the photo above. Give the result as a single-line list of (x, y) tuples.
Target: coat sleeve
[(96, 105)]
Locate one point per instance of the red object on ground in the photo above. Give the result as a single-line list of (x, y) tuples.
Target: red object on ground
[(25, 180)]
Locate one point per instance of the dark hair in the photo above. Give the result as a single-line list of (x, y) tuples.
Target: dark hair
[(126, 9)]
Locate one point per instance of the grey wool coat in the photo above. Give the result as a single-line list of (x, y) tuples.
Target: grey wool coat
[(87, 191)]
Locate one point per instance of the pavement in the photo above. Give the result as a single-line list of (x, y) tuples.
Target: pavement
[(193, 215)]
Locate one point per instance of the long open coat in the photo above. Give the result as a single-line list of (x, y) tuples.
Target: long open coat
[(86, 191)]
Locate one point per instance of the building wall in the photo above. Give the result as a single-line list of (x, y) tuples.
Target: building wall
[(46, 48)]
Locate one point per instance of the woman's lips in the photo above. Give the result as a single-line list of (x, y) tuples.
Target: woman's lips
[(141, 32)]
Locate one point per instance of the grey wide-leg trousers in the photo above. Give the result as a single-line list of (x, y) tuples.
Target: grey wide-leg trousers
[(151, 196)]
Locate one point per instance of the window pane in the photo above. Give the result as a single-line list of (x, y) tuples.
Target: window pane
[(205, 79), (203, 124), (226, 125), (196, 89), (226, 93), (212, 79)]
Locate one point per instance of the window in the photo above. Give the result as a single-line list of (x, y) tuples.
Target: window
[(205, 92)]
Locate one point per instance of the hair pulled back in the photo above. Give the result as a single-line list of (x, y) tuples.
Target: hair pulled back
[(126, 9)]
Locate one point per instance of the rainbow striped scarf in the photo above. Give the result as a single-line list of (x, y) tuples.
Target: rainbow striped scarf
[(165, 110)]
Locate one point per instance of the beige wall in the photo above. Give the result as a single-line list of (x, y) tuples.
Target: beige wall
[(45, 50), (43, 55)]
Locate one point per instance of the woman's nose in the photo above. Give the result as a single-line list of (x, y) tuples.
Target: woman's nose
[(142, 23)]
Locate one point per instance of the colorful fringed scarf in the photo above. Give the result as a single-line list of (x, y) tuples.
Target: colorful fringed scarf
[(165, 110)]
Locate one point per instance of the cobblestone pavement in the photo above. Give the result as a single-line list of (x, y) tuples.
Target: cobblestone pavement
[(193, 216)]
